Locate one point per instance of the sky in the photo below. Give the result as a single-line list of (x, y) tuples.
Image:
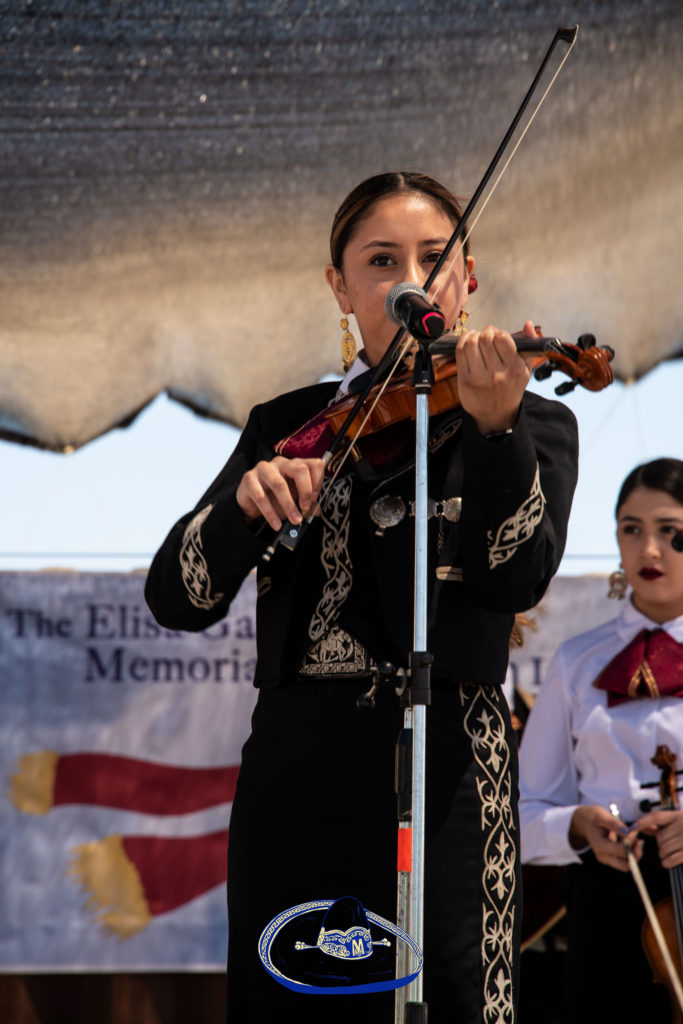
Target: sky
[(108, 506)]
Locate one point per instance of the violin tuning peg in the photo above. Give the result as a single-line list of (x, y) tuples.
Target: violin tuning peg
[(586, 341), (566, 387), (543, 371)]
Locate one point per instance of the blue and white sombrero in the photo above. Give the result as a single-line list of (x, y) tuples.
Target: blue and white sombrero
[(335, 947)]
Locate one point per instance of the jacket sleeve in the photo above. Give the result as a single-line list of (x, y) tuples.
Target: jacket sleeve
[(549, 788), (518, 493), (206, 556)]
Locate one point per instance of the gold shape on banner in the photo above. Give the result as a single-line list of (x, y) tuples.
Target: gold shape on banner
[(113, 884), (32, 785)]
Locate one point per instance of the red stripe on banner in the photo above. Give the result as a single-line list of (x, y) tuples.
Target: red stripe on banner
[(108, 780), (404, 858), (175, 870)]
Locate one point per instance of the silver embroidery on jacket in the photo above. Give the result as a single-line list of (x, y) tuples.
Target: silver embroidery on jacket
[(444, 434), (336, 654), (484, 724), (193, 566), (514, 531), (334, 556)]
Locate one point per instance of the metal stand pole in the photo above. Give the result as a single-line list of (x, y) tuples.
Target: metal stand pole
[(409, 1005)]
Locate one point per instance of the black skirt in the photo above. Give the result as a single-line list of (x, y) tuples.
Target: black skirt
[(608, 974), (314, 818)]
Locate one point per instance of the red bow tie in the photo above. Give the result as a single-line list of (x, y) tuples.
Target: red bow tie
[(650, 666)]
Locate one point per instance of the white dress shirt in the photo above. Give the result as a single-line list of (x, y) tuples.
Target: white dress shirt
[(575, 750)]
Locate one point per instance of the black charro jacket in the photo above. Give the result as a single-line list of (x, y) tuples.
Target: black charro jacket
[(497, 560)]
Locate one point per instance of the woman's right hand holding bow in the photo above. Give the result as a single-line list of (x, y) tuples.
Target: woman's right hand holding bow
[(280, 490), (594, 826)]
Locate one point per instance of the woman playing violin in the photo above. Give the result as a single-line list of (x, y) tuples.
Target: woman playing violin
[(314, 815), (611, 696)]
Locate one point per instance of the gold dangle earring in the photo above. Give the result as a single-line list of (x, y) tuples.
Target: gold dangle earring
[(617, 585), (460, 327), (348, 344)]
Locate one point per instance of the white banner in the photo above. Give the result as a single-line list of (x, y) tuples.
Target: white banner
[(119, 749)]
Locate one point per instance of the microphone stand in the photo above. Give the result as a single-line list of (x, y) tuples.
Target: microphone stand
[(409, 1005)]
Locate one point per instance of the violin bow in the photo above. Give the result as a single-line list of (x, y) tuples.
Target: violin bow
[(290, 533), (649, 909), (565, 35)]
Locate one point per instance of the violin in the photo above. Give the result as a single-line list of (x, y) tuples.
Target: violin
[(390, 405), (585, 363), (669, 911)]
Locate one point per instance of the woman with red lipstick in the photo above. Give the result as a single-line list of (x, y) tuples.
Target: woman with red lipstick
[(612, 695), (314, 815)]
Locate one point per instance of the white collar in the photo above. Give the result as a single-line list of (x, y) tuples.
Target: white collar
[(631, 621), (358, 366)]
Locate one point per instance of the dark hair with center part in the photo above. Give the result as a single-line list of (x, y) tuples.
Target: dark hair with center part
[(660, 475), (359, 203)]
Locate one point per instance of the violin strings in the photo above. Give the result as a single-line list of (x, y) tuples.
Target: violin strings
[(504, 168)]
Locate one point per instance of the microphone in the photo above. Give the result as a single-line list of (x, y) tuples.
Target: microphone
[(677, 541), (407, 305)]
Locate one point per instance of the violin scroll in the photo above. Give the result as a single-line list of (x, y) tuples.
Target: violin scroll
[(585, 363), (665, 760)]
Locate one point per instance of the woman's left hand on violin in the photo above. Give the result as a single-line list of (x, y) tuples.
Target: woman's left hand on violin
[(492, 376), (667, 827)]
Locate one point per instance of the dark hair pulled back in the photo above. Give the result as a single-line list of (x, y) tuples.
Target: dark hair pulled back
[(363, 197), (659, 475)]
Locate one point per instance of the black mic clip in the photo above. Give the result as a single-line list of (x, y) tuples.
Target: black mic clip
[(385, 674)]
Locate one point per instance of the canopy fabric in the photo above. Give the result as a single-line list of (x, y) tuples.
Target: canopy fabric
[(169, 175)]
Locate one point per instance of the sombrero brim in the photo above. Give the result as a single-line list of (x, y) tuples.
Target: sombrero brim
[(314, 972)]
